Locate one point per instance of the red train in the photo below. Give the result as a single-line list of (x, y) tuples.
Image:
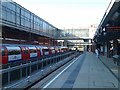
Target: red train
[(13, 53)]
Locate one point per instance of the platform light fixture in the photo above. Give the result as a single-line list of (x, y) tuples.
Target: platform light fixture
[(118, 40), (103, 29)]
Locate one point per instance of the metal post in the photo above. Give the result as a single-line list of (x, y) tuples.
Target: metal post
[(50, 61), (59, 57), (30, 67), (26, 70), (46, 62), (55, 60), (42, 64), (21, 71), (8, 75), (37, 64)]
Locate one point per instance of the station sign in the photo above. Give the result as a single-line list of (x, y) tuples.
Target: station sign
[(113, 29)]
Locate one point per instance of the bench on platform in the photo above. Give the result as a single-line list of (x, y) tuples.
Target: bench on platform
[(116, 59)]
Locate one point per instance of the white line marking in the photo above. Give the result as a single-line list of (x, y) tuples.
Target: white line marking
[(60, 73)]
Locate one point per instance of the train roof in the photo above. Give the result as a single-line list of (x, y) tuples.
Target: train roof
[(33, 45), (20, 45)]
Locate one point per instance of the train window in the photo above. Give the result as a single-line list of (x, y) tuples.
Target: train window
[(32, 51), (25, 51), (3, 52), (13, 52), (38, 49), (46, 50)]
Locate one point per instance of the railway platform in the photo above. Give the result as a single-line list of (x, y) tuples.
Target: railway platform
[(85, 72)]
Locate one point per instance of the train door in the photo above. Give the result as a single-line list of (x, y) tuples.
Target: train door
[(46, 51), (38, 52), (60, 51), (50, 51), (43, 52), (56, 50), (53, 50), (4, 55), (25, 53)]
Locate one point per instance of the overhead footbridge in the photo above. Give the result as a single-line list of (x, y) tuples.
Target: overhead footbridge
[(21, 26)]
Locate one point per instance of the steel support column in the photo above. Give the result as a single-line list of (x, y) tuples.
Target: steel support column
[(108, 49), (115, 46)]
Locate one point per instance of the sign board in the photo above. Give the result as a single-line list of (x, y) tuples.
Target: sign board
[(113, 29)]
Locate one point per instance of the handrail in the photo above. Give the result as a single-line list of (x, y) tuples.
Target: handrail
[(9, 69)]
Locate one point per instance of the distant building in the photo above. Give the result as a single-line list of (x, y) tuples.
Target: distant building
[(92, 31)]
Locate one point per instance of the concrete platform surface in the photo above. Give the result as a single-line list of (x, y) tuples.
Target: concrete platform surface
[(86, 71)]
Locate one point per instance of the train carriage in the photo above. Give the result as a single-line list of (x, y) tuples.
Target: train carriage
[(25, 53), (38, 52), (14, 52), (4, 55)]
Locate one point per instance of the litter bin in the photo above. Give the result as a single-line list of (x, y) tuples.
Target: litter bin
[(116, 59)]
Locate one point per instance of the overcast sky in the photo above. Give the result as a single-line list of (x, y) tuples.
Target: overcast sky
[(67, 13)]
